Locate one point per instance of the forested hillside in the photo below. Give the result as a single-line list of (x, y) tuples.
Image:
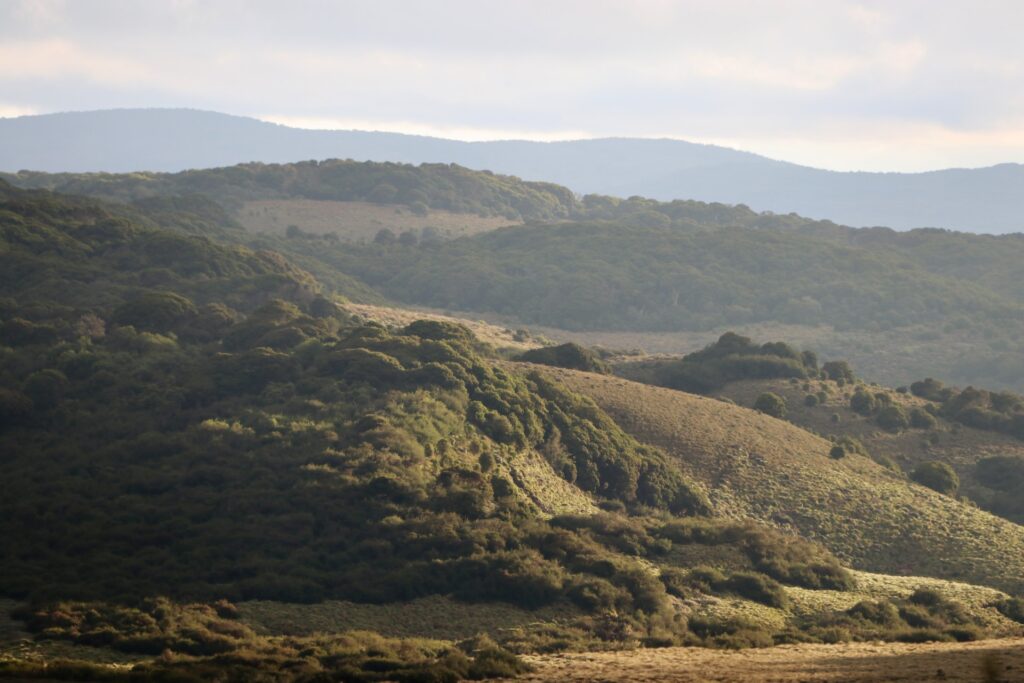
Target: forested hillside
[(603, 275), (185, 418), (439, 186), (903, 305)]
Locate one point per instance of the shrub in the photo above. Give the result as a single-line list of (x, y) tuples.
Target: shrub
[(1012, 608), (862, 402), (937, 476), (155, 312), (837, 452), (570, 355), (1001, 472), (757, 587), (810, 400), (893, 418), (771, 404), (838, 370), (929, 388), (922, 419)]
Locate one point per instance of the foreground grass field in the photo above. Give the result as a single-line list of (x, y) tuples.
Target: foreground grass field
[(992, 660)]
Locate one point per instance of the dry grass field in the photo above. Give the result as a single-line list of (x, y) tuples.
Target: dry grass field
[(355, 221), (758, 467), (957, 445), (992, 660)]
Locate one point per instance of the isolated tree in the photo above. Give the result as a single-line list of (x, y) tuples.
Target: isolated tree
[(927, 388), (384, 236), (893, 418), (937, 476), (862, 402), (838, 370), (922, 419), (771, 404)]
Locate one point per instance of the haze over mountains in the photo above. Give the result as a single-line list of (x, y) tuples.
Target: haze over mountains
[(975, 200)]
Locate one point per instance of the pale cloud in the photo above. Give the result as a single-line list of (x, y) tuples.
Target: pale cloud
[(56, 58), (468, 134), (10, 111)]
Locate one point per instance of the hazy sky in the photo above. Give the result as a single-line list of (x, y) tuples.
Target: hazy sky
[(896, 85)]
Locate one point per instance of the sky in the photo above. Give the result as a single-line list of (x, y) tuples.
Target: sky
[(900, 85)]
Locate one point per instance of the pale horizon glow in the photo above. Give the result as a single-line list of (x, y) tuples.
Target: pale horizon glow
[(837, 84)]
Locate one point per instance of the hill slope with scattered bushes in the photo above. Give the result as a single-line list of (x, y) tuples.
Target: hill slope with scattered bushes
[(760, 467)]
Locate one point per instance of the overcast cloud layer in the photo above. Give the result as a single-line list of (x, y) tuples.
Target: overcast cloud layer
[(892, 85)]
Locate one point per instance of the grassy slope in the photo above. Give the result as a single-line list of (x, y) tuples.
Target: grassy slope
[(759, 467), (957, 445)]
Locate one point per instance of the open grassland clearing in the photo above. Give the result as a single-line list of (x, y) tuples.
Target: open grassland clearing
[(355, 221)]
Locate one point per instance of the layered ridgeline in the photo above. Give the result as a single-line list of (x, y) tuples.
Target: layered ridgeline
[(899, 305), (983, 199), (196, 421)]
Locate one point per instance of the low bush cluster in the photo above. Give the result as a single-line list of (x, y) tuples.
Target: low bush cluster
[(569, 355), (207, 643), (734, 357)]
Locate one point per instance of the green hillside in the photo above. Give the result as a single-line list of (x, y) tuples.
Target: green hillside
[(902, 304), (189, 423), (617, 277), (429, 186)]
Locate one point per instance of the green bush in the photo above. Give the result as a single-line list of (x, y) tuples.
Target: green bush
[(569, 355), (838, 370), (1001, 472), (771, 404), (155, 312), (929, 388), (1012, 608), (937, 476), (757, 587), (731, 358), (922, 419), (862, 402), (893, 418)]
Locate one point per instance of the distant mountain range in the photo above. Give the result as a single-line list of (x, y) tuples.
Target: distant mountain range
[(977, 200)]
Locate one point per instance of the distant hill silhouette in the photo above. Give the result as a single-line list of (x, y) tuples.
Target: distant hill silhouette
[(978, 200)]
